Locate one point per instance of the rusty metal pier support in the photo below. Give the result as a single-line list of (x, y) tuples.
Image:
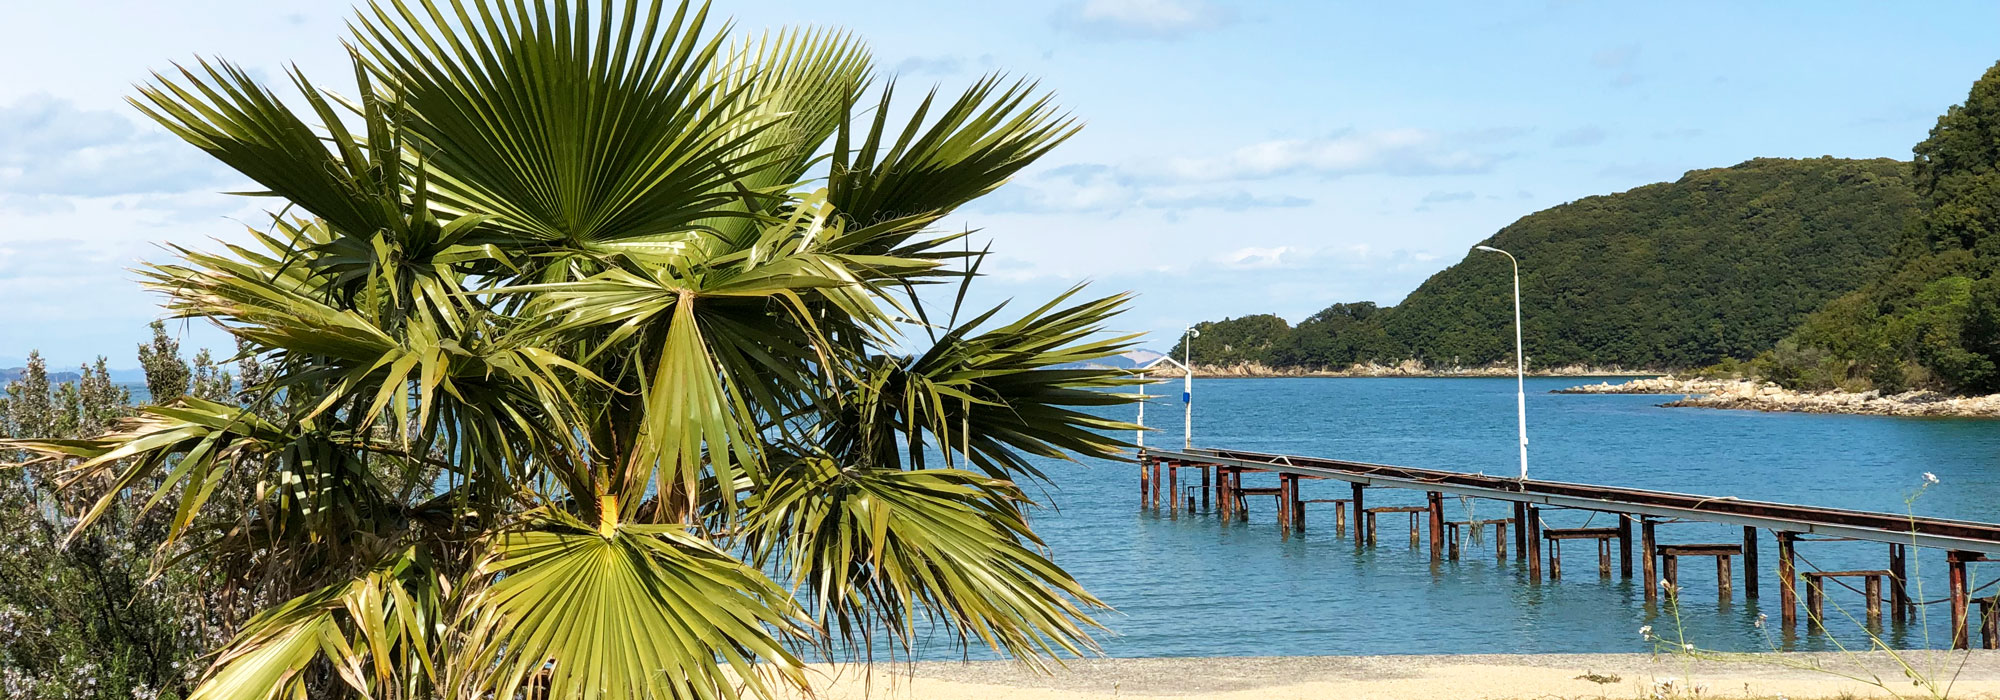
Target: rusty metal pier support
[(1899, 574), (1648, 539), (1601, 536), (1816, 594), (1960, 630), (1749, 562), (1435, 504), (1145, 479), (1788, 574), (1624, 545), (1531, 538), (1205, 488), (1361, 534), (1521, 529)]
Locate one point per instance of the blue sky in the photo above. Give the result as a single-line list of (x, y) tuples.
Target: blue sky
[(1238, 158)]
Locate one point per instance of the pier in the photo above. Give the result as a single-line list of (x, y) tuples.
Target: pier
[(1218, 486)]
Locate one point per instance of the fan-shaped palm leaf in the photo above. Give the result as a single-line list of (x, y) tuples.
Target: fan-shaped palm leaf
[(629, 611)]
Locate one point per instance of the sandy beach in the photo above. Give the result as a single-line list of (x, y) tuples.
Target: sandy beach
[(1448, 677)]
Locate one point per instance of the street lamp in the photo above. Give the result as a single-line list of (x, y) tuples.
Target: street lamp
[(1187, 385), (1520, 361)]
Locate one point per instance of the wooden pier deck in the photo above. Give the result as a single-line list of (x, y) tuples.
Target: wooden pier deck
[(1963, 541)]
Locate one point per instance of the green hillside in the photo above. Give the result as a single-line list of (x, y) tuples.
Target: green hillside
[(1719, 264), (1933, 322)]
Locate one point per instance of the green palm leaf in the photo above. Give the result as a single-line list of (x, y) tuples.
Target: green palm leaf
[(569, 126), (894, 186), (629, 611), (886, 549)]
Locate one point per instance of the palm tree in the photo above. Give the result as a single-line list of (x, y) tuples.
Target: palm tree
[(599, 367)]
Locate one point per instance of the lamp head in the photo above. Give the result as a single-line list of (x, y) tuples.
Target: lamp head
[(1488, 248)]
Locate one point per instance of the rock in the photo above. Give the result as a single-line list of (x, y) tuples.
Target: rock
[(1763, 396)]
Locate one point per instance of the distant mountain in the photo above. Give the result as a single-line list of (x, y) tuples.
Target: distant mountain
[(121, 376), (1720, 263), (1126, 360), (11, 374)]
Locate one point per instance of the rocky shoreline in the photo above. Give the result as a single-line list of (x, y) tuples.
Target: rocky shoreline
[(1403, 369), (1745, 394)]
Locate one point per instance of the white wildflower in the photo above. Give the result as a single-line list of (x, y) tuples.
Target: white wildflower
[(1761, 619), (1930, 478), (1646, 632), (1687, 647)]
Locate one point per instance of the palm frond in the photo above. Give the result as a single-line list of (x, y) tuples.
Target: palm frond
[(629, 611), (199, 439), (567, 126), (888, 550), (895, 185), (376, 631)]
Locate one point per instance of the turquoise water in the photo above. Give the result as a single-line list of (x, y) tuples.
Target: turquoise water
[(1192, 586)]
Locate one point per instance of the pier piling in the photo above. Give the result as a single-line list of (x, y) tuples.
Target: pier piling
[(1361, 536), (1899, 573), (1436, 503), (1788, 595), (1145, 479), (1749, 562), (1646, 544), (1521, 529), (1625, 545), (1156, 483), (1955, 561), (1204, 486), (1532, 528)]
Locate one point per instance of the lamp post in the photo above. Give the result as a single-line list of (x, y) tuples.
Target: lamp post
[(1520, 361), (1187, 386)]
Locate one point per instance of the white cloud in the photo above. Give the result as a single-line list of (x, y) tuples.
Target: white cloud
[(1149, 19), (1254, 257), (1393, 151), (50, 146), (1222, 182), (1093, 187)]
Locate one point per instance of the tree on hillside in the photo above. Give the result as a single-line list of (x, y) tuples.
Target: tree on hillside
[(1336, 337), (576, 382), (1235, 341), (1718, 264), (1957, 172), (1934, 320)]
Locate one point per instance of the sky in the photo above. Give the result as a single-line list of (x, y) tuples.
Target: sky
[(1255, 156)]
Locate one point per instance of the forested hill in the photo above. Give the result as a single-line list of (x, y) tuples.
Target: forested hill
[(1720, 263)]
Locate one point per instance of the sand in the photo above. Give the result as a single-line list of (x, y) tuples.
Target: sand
[(1454, 677)]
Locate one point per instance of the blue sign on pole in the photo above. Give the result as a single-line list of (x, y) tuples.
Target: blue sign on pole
[(1187, 397)]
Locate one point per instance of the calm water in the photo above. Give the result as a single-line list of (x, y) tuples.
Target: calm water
[(1195, 587)]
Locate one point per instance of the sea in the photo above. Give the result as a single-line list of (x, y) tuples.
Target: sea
[(1190, 585)]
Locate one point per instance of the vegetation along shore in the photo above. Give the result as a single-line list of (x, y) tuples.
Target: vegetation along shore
[(1761, 395), (1852, 286)]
